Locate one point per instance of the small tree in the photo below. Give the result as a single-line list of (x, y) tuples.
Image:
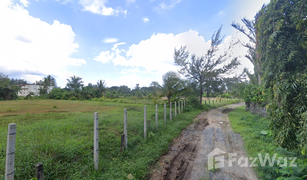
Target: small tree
[(172, 84), (205, 70)]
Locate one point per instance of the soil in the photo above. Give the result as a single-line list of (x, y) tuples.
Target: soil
[(187, 158)]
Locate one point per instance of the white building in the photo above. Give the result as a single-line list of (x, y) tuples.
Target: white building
[(27, 88)]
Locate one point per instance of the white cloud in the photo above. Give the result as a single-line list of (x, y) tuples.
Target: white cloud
[(107, 56), (24, 2), (145, 19), (31, 47), (155, 55), (110, 40), (163, 6), (99, 7)]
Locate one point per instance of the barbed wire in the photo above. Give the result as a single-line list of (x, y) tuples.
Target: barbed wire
[(136, 127), (48, 142), (31, 130)]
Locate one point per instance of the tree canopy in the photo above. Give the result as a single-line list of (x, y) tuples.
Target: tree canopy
[(206, 70)]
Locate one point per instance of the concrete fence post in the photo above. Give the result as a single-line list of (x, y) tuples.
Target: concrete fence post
[(156, 116), (170, 111), (179, 107), (175, 109), (10, 152), (125, 129), (164, 112), (144, 121), (39, 171), (96, 139)]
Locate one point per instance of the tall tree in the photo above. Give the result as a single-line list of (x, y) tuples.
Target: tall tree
[(74, 83), (206, 69), (250, 31), (47, 82), (281, 28), (101, 87)]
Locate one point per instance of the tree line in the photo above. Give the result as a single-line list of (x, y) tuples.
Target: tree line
[(277, 48)]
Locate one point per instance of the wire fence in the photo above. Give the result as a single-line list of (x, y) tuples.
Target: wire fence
[(66, 150)]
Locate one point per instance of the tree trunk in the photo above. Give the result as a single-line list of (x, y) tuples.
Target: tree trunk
[(259, 79), (169, 99)]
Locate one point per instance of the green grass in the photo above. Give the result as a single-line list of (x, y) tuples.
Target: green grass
[(62, 137), (249, 127)]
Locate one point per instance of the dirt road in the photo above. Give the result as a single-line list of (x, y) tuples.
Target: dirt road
[(202, 151)]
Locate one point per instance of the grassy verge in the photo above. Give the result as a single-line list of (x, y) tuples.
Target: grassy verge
[(59, 134), (258, 139)]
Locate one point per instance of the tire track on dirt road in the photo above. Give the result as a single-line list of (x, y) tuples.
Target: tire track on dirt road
[(187, 158)]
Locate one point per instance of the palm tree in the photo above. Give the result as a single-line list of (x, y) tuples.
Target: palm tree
[(46, 82), (74, 82), (172, 84), (101, 87)]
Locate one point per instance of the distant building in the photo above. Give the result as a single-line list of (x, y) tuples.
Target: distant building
[(27, 88)]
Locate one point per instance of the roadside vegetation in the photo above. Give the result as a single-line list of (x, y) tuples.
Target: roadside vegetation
[(258, 138)]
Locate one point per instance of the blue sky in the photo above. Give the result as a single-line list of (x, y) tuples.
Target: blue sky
[(123, 42)]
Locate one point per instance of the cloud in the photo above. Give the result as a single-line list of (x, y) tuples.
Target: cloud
[(24, 2), (99, 7), (170, 5), (107, 56), (110, 40), (155, 55), (145, 19), (31, 47), (23, 39)]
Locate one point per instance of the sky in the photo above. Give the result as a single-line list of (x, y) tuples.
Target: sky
[(124, 42)]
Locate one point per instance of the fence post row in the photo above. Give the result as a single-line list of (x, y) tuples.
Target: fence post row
[(125, 129), (156, 116), (144, 121), (170, 111), (175, 109), (96, 138), (10, 152)]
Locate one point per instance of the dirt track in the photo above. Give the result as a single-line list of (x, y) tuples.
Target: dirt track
[(188, 155)]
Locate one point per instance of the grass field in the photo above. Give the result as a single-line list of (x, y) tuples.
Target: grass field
[(257, 138), (59, 133)]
